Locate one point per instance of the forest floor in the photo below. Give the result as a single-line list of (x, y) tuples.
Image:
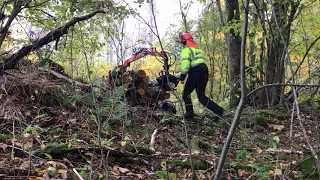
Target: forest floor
[(49, 132)]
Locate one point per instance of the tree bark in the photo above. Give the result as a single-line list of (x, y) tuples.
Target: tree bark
[(275, 68), (11, 61), (234, 51), (17, 7)]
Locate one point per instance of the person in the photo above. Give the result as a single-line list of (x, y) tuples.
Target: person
[(193, 64)]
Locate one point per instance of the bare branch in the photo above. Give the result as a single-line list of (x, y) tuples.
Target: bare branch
[(16, 10), (281, 84), (55, 34), (296, 102), (305, 55)]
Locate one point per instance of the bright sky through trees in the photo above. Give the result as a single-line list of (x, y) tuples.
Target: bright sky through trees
[(167, 15)]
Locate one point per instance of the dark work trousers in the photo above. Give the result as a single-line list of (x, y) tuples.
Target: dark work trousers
[(197, 79)]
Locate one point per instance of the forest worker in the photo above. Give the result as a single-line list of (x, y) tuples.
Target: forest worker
[(193, 63)]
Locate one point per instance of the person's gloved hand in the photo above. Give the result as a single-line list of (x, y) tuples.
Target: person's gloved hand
[(178, 79)]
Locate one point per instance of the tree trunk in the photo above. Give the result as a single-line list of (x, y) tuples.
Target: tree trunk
[(275, 69), (241, 104), (16, 10), (234, 48)]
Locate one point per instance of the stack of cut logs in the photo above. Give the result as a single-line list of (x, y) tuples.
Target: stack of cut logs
[(140, 90)]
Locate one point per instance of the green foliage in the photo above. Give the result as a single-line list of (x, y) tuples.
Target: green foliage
[(244, 156), (39, 116), (33, 129), (274, 141), (198, 165), (166, 175), (258, 119), (75, 98), (308, 166), (262, 172), (165, 121), (55, 148), (4, 136)]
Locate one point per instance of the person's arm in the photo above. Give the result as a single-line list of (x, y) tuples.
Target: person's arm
[(185, 63)]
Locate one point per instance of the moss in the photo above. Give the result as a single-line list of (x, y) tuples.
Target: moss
[(279, 112), (144, 150), (198, 165), (208, 131), (55, 148), (308, 167), (258, 119), (4, 136)]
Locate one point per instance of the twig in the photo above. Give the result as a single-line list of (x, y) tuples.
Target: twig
[(281, 84), (76, 172), (291, 122), (71, 81), (107, 161), (14, 137), (284, 151), (153, 139), (253, 174), (13, 147)]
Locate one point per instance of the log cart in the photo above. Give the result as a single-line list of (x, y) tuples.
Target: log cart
[(141, 90)]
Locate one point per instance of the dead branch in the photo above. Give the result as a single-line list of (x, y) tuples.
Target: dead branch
[(11, 61), (281, 84), (305, 55), (16, 10), (76, 172), (63, 77), (153, 139), (284, 151), (296, 102)]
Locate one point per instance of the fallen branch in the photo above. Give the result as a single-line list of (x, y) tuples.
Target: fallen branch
[(153, 139), (284, 151), (76, 172), (14, 172), (11, 61), (63, 77), (281, 84)]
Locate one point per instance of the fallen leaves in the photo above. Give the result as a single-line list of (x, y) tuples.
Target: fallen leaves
[(276, 127), (243, 173)]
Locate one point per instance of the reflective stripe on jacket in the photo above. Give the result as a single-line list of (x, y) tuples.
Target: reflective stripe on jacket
[(191, 57)]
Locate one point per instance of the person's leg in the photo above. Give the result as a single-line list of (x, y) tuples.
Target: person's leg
[(188, 88), (200, 88)]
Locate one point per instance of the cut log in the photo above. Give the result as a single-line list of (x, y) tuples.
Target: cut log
[(141, 74), (142, 85), (166, 96), (146, 80), (142, 92)]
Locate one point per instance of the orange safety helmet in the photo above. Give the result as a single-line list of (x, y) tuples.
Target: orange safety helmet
[(187, 39)]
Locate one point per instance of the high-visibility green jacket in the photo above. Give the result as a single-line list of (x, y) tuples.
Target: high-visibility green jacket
[(191, 57)]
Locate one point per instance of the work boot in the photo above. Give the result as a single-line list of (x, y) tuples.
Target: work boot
[(189, 116), (220, 114)]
